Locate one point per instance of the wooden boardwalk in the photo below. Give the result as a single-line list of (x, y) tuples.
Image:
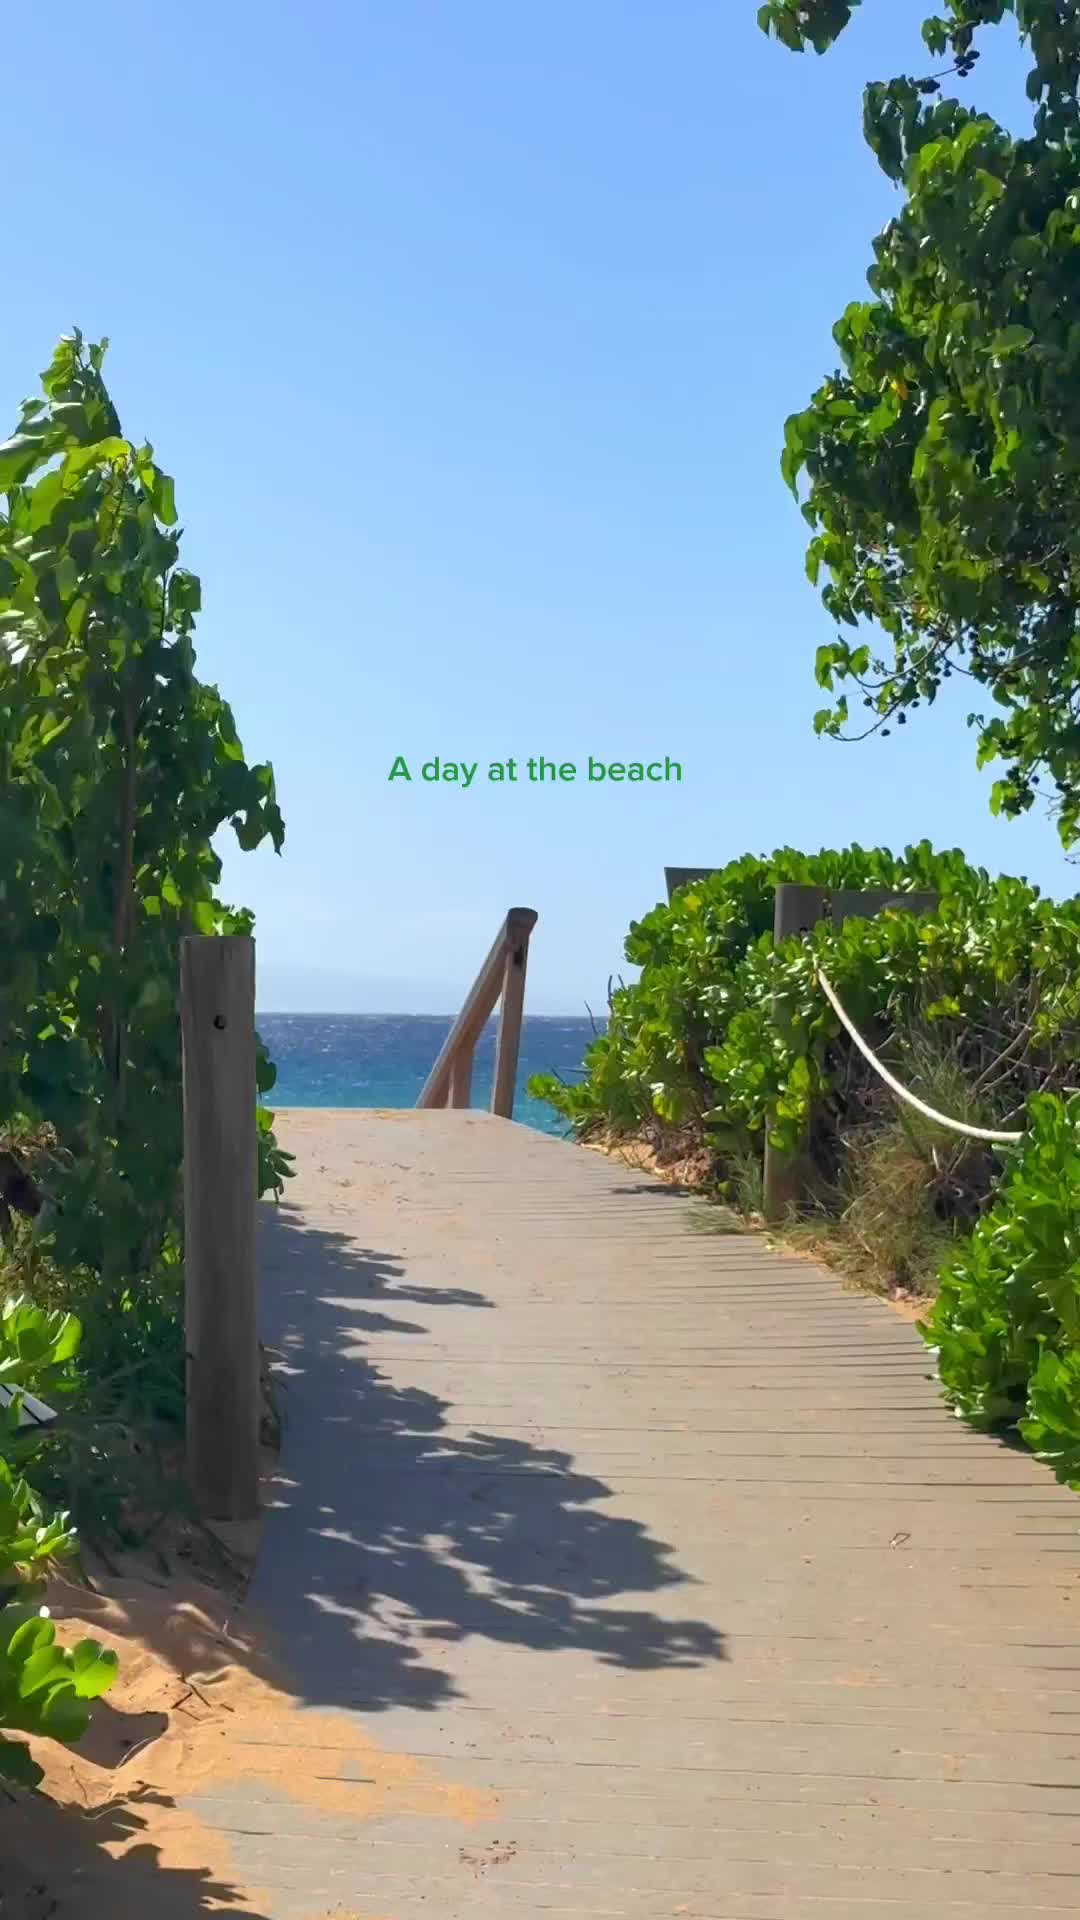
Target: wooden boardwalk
[(647, 1556)]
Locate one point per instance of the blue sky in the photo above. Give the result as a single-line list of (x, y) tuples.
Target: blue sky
[(468, 331)]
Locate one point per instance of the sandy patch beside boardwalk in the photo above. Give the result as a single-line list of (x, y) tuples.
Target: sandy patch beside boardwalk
[(677, 1160), (201, 1704)]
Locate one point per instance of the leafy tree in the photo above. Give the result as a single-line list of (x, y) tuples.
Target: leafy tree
[(118, 766), (941, 461)]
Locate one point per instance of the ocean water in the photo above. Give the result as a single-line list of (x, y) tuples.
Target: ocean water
[(383, 1059)]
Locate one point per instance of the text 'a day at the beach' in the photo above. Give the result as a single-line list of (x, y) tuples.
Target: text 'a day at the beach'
[(536, 771)]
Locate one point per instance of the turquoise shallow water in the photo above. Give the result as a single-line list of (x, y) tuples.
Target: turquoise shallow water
[(383, 1059)]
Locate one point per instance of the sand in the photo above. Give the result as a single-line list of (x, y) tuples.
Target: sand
[(201, 1701)]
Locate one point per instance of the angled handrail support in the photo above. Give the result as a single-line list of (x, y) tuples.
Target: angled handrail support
[(501, 978), (32, 1412)]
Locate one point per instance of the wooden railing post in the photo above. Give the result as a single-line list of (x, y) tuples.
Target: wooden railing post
[(502, 974), (786, 1175), (461, 1079), (789, 1177), (519, 925), (217, 1011)]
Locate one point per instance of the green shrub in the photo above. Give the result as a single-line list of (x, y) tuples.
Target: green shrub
[(730, 1036), (1006, 1322), (906, 1189), (45, 1688), (881, 1226), (1052, 1426)]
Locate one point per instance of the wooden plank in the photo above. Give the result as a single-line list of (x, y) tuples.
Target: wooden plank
[(217, 1008)]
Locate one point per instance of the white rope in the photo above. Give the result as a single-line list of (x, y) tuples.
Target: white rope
[(941, 1119)]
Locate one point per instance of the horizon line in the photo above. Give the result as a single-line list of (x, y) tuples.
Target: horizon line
[(389, 1013)]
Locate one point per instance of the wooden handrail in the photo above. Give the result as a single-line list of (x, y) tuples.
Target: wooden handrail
[(502, 978)]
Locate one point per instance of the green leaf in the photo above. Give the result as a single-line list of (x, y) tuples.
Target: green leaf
[(28, 1638), (63, 1715), (160, 491), (1012, 339), (94, 1668), (109, 452), (43, 1668), (18, 458)]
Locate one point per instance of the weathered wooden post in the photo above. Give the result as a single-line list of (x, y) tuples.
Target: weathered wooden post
[(520, 922), (865, 903), (217, 1011), (786, 1176), (789, 1176)]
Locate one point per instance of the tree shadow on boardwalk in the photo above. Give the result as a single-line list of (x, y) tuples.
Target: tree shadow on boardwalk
[(56, 1867), (396, 1537)]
